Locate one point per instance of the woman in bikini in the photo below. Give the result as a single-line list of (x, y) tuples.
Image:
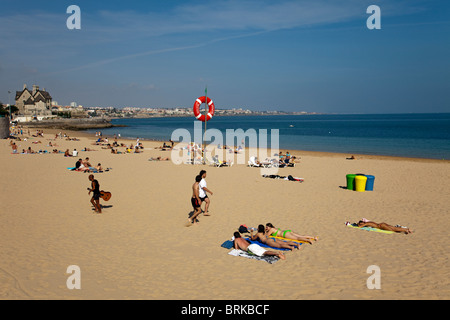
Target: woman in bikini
[(263, 238), (383, 226), (288, 234)]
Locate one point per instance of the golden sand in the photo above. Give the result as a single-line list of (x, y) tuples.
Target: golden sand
[(140, 248)]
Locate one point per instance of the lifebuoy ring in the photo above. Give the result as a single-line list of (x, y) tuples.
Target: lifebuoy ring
[(198, 115)]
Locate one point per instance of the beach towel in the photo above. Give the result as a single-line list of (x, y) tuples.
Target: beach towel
[(265, 245), (228, 244), (93, 170), (240, 253), (292, 240), (289, 178), (370, 229)]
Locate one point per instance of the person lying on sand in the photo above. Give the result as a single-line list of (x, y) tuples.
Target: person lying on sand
[(288, 234), (383, 226), (271, 242), (159, 159), (242, 244), (164, 147)]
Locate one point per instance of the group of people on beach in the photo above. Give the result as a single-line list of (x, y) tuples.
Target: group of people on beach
[(85, 166), (272, 237)]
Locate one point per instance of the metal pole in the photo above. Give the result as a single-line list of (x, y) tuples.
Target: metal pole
[(206, 120), (9, 103)]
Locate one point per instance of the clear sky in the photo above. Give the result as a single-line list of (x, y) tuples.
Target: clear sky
[(292, 55)]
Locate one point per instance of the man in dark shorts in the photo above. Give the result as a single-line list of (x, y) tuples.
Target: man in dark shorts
[(195, 201), (95, 188)]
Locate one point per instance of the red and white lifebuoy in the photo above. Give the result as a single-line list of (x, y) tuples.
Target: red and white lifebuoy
[(200, 116)]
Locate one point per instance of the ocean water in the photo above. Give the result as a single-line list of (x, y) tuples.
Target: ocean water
[(404, 135)]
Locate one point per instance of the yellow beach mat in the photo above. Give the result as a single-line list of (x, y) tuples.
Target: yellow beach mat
[(286, 239), (370, 229)]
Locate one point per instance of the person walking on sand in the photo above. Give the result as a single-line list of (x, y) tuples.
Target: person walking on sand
[(195, 201), (95, 188), (242, 244), (202, 192)]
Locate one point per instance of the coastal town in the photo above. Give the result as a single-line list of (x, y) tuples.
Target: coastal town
[(38, 104)]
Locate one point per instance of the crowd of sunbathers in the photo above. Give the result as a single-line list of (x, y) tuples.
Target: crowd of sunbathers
[(282, 161), (104, 142)]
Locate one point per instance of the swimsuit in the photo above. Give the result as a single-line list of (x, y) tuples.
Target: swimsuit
[(275, 233), (195, 203), (284, 233)]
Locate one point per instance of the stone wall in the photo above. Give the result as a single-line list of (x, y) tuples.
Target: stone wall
[(4, 127), (70, 124)]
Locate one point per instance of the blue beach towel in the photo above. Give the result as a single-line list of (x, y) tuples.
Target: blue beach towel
[(265, 245), (229, 244)]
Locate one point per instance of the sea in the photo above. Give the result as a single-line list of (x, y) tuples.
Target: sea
[(414, 135)]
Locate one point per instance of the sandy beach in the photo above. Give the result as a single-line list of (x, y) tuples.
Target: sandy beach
[(140, 248)]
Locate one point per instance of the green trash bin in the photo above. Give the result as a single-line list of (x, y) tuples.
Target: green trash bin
[(351, 181)]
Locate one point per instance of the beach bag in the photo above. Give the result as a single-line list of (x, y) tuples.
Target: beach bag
[(243, 229)]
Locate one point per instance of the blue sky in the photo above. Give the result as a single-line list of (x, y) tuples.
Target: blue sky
[(292, 55)]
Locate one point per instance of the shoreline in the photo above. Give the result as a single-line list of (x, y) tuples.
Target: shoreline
[(141, 242), (294, 152), (84, 125)]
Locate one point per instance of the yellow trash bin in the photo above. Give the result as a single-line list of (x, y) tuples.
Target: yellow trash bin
[(360, 183)]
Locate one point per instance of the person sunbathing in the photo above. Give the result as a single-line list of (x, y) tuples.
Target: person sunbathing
[(80, 166), (287, 234), (263, 238), (242, 244), (383, 226), (99, 167), (86, 163), (159, 159)]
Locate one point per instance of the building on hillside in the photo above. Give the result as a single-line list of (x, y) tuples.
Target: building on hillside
[(34, 103)]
